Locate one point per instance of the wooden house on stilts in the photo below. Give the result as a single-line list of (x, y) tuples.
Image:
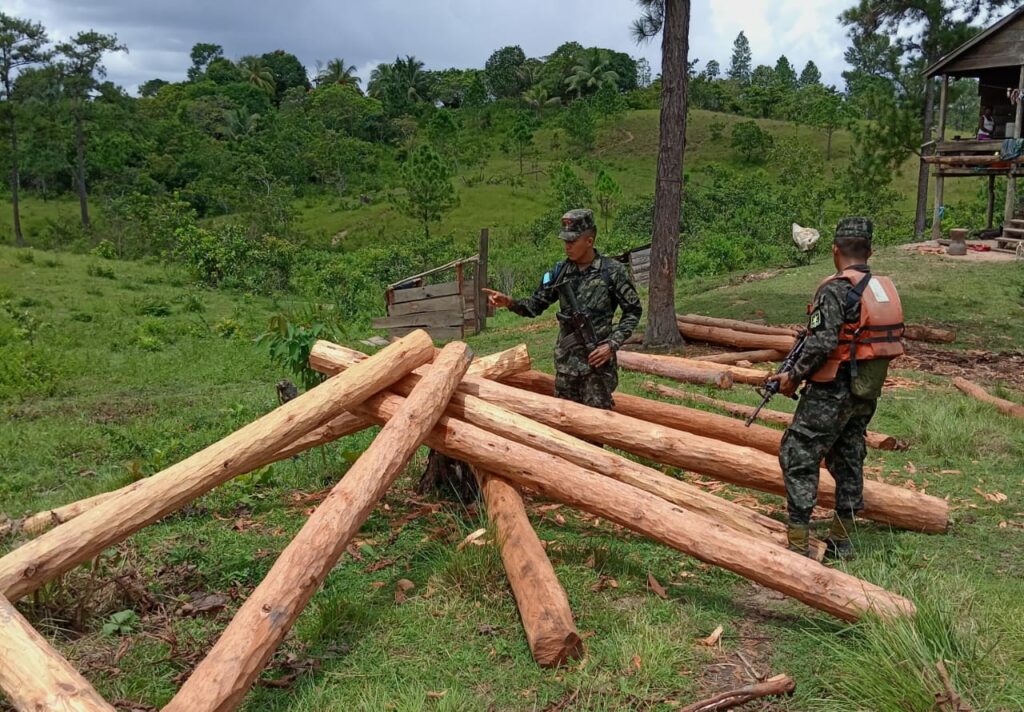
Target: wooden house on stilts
[(995, 57)]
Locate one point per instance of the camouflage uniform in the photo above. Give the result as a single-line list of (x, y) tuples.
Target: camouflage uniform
[(830, 422), (604, 285)]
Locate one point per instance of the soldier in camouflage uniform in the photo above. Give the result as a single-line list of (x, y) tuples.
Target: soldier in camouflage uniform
[(830, 422), (601, 285)]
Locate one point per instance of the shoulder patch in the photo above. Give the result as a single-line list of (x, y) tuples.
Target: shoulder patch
[(815, 319)]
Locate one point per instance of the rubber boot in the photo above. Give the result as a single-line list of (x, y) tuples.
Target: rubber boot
[(797, 536), (838, 544)]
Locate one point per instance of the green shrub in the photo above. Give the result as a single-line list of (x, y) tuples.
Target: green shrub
[(752, 141), (121, 623), (97, 270), (227, 328), (153, 306), (192, 303), (290, 337), (26, 257), (104, 249), (28, 371), (225, 256)]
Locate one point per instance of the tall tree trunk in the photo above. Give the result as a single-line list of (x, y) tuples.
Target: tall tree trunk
[(921, 214), (828, 148), (83, 197), (661, 306), (19, 238)]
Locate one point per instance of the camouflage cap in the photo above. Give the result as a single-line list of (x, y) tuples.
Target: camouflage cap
[(577, 222), (855, 227)]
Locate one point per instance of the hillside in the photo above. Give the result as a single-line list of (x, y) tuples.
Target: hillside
[(627, 148), (110, 371)]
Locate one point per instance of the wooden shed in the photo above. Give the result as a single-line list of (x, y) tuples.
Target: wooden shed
[(995, 57), (447, 301)]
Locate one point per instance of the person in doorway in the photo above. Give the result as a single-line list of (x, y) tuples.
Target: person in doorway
[(986, 124), (602, 286), (854, 331)]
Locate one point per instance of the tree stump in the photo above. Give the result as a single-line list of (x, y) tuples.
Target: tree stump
[(449, 478)]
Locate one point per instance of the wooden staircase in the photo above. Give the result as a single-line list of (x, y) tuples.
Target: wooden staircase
[(1012, 237)]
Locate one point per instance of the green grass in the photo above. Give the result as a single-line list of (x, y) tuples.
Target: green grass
[(135, 376)]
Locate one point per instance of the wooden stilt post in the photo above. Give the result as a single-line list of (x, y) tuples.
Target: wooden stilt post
[(939, 180), (1009, 209), (481, 280), (991, 208)]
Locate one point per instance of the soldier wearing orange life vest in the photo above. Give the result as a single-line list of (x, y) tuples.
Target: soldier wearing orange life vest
[(854, 330)]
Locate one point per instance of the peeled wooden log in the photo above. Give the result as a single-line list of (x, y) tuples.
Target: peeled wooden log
[(662, 366), (222, 679), (731, 337), (543, 605), (64, 547), (740, 465), (777, 685), (821, 587), (502, 363), (969, 160), (689, 370), (919, 332), (36, 677), (878, 441), (976, 391), (736, 325), (331, 358), (759, 356)]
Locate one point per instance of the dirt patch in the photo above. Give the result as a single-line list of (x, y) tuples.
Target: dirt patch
[(118, 412), (745, 659), (976, 251), (975, 365)]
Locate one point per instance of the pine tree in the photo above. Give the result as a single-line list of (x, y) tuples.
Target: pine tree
[(739, 64), (429, 192), (810, 75)]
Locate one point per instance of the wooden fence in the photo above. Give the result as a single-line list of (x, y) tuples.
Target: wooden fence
[(446, 310)]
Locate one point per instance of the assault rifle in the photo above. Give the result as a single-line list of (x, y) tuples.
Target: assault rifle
[(580, 326), (772, 387)]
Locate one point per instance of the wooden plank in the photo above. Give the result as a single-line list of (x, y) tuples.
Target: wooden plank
[(449, 303), (429, 292), (479, 298), (437, 333), (423, 319)]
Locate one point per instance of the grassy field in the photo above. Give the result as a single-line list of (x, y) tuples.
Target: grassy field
[(112, 371)]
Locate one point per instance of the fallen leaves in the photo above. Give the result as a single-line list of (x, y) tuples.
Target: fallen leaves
[(658, 589), (378, 565), (208, 603), (712, 640), (403, 586), (604, 582), (473, 538), (997, 497), (432, 695)]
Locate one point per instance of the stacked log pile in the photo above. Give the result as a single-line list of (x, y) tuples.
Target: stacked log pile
[(500, 418)]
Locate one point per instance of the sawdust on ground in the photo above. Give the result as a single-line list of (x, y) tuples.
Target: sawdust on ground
[(974, 365)]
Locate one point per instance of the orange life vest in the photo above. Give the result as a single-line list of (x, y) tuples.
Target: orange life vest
[(879, 331)]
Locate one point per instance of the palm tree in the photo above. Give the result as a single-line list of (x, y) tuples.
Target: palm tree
[(239, 124), (337, 72), (257, 73), (381, 79), (537, 98), (591, 73), (411, 77)]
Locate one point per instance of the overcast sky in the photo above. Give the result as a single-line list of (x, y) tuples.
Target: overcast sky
[(441, 33)]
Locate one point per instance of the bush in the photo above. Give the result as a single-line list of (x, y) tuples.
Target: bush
[(96, 270), (225, 256), (104, 249), (752, 141)]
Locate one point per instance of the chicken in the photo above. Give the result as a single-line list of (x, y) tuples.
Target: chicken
[(804, 237)]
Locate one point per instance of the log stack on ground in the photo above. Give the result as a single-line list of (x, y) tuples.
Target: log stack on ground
[(688, 370), (514, 438), (877, 441)]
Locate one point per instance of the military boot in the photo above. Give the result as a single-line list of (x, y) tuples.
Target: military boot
[(796, 535), (838, 544)]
